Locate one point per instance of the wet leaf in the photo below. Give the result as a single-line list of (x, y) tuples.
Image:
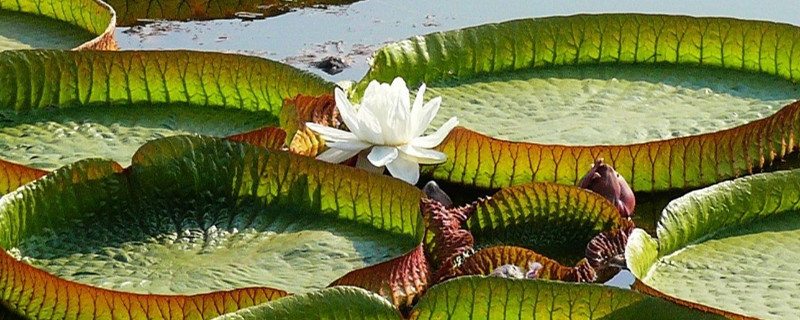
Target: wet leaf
[(39, 295)]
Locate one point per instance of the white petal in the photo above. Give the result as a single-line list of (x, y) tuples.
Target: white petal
[(418, 99), (423, 156), (363, 163), (352, 145), (331, 134), (376, 97), (400, 92), (396, 126), (381, 155), (435, 138), (370, 127), (425, 115), (347, 111), (404, 169), (336, 155)]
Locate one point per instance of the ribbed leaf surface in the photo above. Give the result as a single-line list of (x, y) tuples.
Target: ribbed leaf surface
[(555, 220), (452, 58), (737, 240), (478, 297), (94, 16)]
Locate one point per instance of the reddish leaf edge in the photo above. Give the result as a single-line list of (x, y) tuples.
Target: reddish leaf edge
[(15, 175), (35, 281)]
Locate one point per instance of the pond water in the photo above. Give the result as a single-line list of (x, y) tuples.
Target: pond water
[(355, 31)]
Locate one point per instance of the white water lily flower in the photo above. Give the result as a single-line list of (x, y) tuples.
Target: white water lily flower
[(386, 130)]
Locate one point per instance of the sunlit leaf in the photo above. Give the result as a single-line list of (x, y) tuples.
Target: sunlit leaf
[(197, 214), (94, 16), (39, 295), (337, 303), (519, 48), (267, 137), (476, 297), (301, 109), (13, 175), (60, 106), (737, 240)]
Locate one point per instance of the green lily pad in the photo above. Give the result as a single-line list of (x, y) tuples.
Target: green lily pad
[(196, 214), (731, 246), (610, 104), (477, 297), (51, 138), (555, 220), (66, 24), (58, 106), (497, 65), (28, 31), (337, 303), (618, 79)]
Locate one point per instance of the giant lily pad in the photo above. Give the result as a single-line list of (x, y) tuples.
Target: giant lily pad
[(83, 24), (192, 215), (58, 107), (731, 246), (504, 69)]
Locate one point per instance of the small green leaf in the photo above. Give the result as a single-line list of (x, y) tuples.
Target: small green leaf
[(555, 220), (477, 297), (96, 19), (337, 303)]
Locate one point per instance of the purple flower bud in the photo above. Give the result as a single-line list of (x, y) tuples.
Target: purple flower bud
[(605, 181)]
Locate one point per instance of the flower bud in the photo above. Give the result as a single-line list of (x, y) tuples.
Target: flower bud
[(605, 181), (433, 191)]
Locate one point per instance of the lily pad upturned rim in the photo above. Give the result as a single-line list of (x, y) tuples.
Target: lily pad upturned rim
[(679, 163), (24, 300), (37, 79), (699, 215), (76, 13)]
